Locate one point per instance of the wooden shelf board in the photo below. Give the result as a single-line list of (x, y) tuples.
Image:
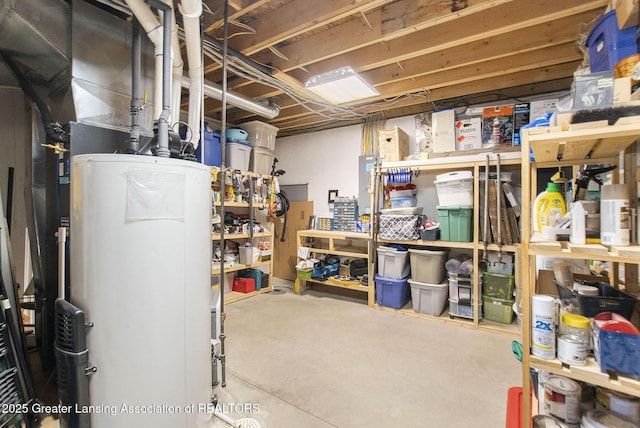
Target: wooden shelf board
[(339, 252), (230, 204), (457, 160), (589, 373), (577, 144), (615, 254), (444, 317), (332, 234), (238, 267), (235, 296), (216, 236), (328, 282)]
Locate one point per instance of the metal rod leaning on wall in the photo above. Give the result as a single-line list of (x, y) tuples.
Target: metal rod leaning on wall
[(499, 205), (223, 139), (485, 219)]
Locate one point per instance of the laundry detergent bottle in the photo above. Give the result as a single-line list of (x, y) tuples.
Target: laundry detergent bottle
[(548, 207)]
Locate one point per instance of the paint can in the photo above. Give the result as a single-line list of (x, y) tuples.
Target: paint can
[(543, 327), (622, 405), (544, 421), (562, 399), (573, 349)]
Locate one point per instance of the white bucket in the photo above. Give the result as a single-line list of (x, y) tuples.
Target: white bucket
[(249, 255)]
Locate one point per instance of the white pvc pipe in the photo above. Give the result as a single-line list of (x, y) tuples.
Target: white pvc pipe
[(153, 28), (178, 64), (191, 11)]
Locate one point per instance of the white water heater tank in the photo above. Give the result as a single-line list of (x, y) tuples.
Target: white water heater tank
[(140, 270)]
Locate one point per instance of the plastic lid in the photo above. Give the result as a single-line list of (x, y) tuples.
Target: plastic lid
[(588, 290), (553, 187), (575, 320)]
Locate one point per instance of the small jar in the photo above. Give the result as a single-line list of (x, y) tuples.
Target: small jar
[(572, 323), (573, 342)]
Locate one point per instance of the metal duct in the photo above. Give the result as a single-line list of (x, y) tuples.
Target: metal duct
[(235, 99), (37, 34)]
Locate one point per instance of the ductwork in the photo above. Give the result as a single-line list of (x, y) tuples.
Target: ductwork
[(269, 111)]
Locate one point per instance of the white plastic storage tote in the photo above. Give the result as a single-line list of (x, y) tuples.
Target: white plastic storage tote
[(455, 188), (428, 265), (393, 262), (429, 299), (261, 134)]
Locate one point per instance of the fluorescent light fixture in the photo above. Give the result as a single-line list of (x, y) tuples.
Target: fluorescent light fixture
[(340, 86)]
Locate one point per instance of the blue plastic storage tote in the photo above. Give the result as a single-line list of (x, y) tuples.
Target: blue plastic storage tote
[(212, 149), (608, 45), (392, 293)]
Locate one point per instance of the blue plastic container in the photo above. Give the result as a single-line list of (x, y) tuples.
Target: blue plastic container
[(392, 293), (252, 273), (212, 149), (608, 45), (403, 202)]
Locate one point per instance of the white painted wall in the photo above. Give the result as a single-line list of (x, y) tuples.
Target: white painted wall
[(328, 160)]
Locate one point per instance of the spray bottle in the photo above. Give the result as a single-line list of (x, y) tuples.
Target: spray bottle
[(548, 207)]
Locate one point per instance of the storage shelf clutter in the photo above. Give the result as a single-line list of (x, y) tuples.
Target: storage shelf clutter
[(435, 233), (587, 345)]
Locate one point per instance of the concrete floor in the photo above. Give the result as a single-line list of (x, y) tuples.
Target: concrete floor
[(321, 360)]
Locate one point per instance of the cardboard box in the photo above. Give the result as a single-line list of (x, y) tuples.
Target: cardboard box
[(469, 134), (545, 284), (444, 134), (627, 13), (393, 144), (521, 117), (497, 126), (621, 90), (539, 108)]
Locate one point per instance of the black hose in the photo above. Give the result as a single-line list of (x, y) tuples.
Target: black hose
[(53, 129), (282, 211)]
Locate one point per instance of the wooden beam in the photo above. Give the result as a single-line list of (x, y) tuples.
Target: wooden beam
[(298, 17), (467, 29), (389, 22)]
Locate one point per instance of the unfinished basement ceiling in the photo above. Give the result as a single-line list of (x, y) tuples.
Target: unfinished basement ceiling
[(419, 54)]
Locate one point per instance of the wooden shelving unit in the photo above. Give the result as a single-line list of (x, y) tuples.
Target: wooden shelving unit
[(476, 162), (338, 244), (599, 144), (234, 296)]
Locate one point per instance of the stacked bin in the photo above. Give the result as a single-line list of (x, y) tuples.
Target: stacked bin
[(262, 137), (429, 289), (392, 288), (497, 297), (455, 206), (460, 296)]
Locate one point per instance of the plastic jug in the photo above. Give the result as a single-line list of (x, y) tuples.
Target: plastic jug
[(548, 207)]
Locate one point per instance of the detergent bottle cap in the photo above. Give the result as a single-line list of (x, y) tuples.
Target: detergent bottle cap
[(553, 187)]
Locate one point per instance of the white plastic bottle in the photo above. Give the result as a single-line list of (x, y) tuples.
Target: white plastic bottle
[(615, 218), (578, 224)]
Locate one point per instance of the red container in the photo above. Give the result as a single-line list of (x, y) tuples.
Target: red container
[(244, 285)]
